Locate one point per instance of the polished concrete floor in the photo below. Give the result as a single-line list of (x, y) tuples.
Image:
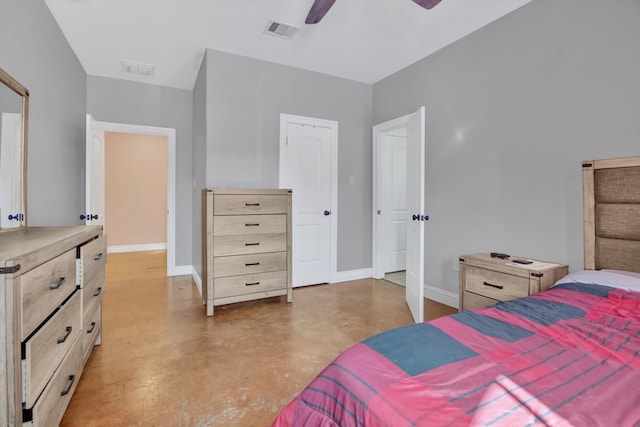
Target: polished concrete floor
[(162, 362)]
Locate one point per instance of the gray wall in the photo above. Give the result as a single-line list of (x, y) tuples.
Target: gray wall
[(199, 161), (245, 97), (512, 110), (35, 52), (122, 101)]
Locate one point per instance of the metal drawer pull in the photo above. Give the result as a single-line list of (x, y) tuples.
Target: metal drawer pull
[(252, 244), (93, 326), (97, 292), (97, 257), (493, 286), (57, 284), (251, 225), (252, 284), (68, 330), (66, 391), (251, 263), (252, 204)]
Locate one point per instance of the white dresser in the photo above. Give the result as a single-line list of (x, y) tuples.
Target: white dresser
[(51, 287), (246, 245)]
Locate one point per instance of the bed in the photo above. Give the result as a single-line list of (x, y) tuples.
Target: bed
[(569, 356)]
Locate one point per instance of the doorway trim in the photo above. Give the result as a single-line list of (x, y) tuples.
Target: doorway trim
[(170, 134), (378, 231), (285, 119)]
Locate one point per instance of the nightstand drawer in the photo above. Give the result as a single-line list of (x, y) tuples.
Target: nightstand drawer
[(496, 285), (472, 301)]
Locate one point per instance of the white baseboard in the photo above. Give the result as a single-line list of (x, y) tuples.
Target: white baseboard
[(345, 276), (443, 297), (197, 279), (136, 248)]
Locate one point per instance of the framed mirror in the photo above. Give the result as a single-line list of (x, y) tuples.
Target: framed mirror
[(14, 112)]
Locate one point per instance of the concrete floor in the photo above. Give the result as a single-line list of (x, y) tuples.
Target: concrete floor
[(162, 362), (397, 277)]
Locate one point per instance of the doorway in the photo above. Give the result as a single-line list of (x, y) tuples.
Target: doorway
[(95, 176), (393, 203), (398, 205), (308, 166)]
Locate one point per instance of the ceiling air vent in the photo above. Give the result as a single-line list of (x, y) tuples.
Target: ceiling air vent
[(137, 68), (281, 30)]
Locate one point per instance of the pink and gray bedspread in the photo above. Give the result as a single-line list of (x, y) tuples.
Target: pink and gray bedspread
[(565, 357)]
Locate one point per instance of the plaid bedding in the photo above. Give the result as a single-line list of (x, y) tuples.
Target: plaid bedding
[(564, 357)]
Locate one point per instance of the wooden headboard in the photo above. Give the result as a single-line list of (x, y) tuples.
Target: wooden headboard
[(611, 203)]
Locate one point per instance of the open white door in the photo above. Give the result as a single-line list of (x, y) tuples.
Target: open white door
[(95, 174), (415, 214)]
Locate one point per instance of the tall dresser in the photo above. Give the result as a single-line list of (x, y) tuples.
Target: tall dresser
[(246, 245), (51, 287)]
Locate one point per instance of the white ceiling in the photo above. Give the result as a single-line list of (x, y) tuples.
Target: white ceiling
[(362, 40)]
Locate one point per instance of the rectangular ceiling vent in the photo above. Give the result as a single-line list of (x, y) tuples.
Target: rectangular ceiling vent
[(281, 30), (137, 68)]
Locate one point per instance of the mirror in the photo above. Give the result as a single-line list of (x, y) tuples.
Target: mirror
[(14, 108)]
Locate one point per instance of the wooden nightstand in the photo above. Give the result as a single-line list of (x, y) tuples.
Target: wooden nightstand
[(485, 281)]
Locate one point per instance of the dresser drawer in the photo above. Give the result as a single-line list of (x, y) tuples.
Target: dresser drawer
[(249, 264), (496, 285), (44, 288), (90, 332), (250, 283), (91, 299), (249, 224), (93, 257), (46, 348), (49, 409), (249, 244), (247, 204)]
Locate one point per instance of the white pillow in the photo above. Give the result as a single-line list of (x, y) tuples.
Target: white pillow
[(627, 280)]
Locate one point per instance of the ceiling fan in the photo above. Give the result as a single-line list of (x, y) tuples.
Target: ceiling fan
[(321, 7)]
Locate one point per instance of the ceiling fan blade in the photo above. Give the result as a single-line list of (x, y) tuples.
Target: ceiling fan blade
[(427, 4), (318, 10)]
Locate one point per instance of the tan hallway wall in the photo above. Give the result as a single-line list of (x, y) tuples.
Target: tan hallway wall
[(135, 189)]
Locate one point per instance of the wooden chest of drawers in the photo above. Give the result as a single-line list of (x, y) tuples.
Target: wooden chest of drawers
[(246, 245), (50, 311), (485, 280)]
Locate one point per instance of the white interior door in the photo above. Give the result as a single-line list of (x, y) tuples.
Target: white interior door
[(95, 174), (307, 171), (394, 195), (11, 209), (415, 214)]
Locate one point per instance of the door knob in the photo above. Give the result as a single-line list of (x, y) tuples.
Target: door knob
[(327, 213)]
